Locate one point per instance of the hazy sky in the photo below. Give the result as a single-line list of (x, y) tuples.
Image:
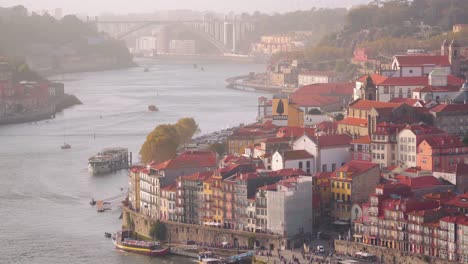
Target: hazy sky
[(93, 7)]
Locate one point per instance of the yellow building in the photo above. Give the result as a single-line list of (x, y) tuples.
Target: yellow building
[(322, 192), (134, 187), (249, 135), (207, 200), (217, 203), (285, 112), (352, 183)]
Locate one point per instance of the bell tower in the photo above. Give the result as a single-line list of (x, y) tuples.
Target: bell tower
[(368, 89)]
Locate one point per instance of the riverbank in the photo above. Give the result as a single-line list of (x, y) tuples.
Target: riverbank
[(48, 112), (245, 83), (214, 58)]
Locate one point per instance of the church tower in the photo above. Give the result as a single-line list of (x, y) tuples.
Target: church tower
[(444, 48), (368, 89), (454, 57)]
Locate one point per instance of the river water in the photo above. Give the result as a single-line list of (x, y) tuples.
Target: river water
[(45, 216)]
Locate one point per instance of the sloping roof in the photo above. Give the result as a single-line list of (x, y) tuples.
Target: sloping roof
[(408, 101), (198, 176), (361, 140), (189, 159), (418, 81), (333, 140), (331, 89), (376, 78), (432, 88), (314, 100), (357, 167), (422, 182), (369, 104), (294, 131), (296, 155), (422, 60), (327, 126), (353, 121), (461, 108), (447, 141), (170, 187), (460, 201), (289, 172)]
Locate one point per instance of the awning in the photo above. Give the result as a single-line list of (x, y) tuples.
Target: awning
[(357, 235)]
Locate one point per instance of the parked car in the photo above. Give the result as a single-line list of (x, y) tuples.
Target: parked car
[(320, 249)]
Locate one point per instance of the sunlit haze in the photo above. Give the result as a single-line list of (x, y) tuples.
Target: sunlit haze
[(124, 6)]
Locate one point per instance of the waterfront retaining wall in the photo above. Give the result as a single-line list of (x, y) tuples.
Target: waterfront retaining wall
[(180, 232), (386, 255)]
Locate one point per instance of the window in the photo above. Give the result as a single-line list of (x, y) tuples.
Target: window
[(383, 156), (333, 166), (300, 164), (348, 186)]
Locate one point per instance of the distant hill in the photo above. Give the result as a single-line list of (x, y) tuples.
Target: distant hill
[(52, 45)]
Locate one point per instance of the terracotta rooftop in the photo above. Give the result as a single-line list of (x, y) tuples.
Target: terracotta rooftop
[(333, 140), (422, 60), (189, 159), (294, 131), (444, 142), (461, 201), (314, 100), (369, 104), (296, 155), (418, 81), (353, 121), (356, 167), (445, 108), (408, 101), (361, 140), (171, 187), (331, 89), (422, 182), (376, 78)]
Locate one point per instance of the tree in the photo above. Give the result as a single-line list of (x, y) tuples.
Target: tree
[(186, 128), (220, 148), (465, 139), (280, 107), (161, 144), (339, 117), (158, 231)]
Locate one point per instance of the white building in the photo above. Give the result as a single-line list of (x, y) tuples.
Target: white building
[(408, 140), (419, 65), (312, 77), (289, 207), (146, 44), (293, 159), (183, 47), (330, 151)]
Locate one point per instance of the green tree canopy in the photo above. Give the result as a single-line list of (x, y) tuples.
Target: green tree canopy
[(158, 231), (186, 128), (220, 148), (161, 144)]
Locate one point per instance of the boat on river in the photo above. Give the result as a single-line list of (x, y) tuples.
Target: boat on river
[(152, 108), (65, 146), (123, 241), (108, 160), (208, 257)]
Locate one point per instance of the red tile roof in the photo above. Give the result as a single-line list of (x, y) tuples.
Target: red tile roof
[(296, 155), (333, 140), (331, 89), (294, 131), (326, 126), (356, 167), (200, 176), (189, 159), (270, 187), (447, 141), (418, 81), (361, 140), (353, 121), (460, 201), (422, 60), (323, 175), (431, 88), (171, 187), (376, 78), (289, 172), (369, 104), (408, 101), (314, 100), (460, 108), (422, 182)]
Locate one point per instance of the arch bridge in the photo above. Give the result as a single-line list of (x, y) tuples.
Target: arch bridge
[(225, 35)]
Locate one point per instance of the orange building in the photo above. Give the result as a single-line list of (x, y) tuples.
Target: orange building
[(441, 152)]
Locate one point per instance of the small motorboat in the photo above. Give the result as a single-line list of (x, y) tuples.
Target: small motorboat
[(152, 108), (65, 146), (93, 202), (108, 235)]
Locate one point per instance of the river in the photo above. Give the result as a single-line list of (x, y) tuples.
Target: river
[(45, 216)]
